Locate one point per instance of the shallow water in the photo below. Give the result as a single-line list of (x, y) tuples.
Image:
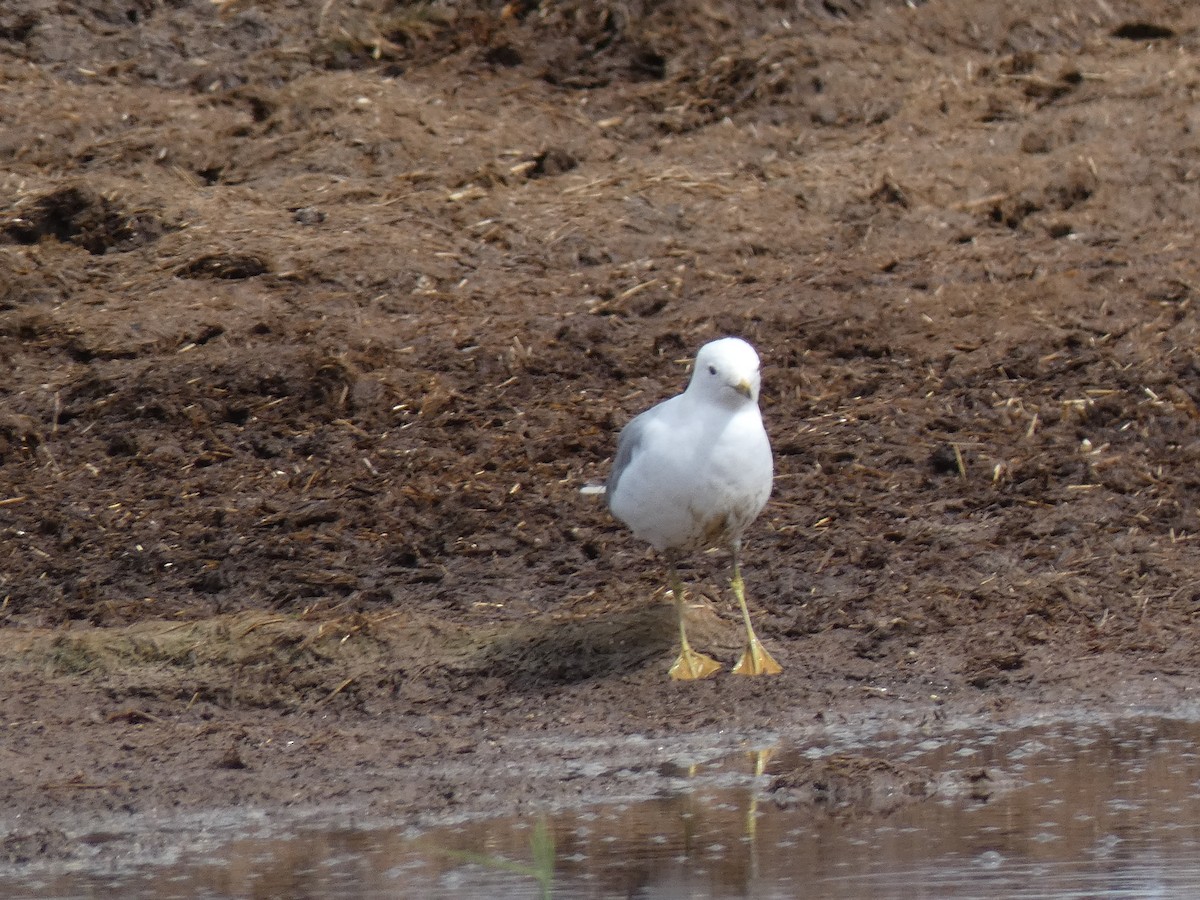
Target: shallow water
[(1064, 811)]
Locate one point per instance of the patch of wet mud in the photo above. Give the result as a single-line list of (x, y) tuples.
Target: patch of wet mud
[(1073, 805)]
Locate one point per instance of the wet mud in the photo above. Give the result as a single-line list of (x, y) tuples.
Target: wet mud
[(315, 318)]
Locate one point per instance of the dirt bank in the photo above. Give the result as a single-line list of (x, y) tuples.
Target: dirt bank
[(314, 318)]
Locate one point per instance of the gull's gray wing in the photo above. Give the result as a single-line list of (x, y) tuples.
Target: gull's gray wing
[(628, 444)]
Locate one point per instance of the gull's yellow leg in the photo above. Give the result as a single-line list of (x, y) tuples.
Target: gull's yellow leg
[(690, 665), (755, 659)]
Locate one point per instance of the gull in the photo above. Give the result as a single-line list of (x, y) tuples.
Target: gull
[(692, 473)]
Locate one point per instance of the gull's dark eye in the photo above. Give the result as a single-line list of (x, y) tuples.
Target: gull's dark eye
[(712, 370)]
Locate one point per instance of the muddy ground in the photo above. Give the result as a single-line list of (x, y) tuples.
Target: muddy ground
[(315, 318)]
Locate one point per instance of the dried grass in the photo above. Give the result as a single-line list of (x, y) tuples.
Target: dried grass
[(246, 658)]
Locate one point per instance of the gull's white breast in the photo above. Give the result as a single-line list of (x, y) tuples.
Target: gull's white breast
[(698, 476)]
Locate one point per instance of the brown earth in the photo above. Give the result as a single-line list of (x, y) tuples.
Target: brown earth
[(315, 318)]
